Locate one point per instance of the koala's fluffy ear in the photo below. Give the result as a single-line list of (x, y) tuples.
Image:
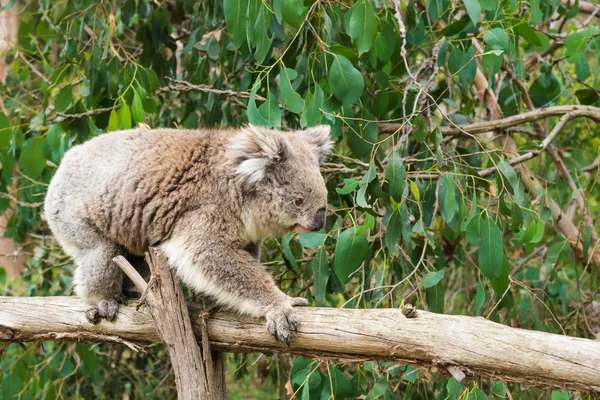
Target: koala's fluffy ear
[(256, 149), (318, 136)]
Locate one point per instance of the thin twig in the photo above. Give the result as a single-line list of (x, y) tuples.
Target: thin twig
[(502, 123), (184, 86)]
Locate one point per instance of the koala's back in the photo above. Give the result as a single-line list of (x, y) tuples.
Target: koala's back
[(130, 186)]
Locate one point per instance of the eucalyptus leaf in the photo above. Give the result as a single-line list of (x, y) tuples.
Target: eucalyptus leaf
[(350, 252), (347, 84), (361, 25), (235, 17)]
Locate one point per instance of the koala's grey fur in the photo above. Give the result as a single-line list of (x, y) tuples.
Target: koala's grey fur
[(207, 198)]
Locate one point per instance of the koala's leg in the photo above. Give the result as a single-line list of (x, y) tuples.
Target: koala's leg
[(98, 280), (235, 279)]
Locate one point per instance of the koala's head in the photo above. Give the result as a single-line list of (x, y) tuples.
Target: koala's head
[(280, 178)]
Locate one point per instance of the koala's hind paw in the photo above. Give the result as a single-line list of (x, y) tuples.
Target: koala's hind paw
[(92, 314), (281, 321), (108, 309)]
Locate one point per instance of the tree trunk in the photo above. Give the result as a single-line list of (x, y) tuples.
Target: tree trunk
[(193, 367), (10, 259)]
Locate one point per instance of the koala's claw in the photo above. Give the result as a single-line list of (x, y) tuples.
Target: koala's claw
[(121, 299), (298, 302), (108, 309), (281, 321)]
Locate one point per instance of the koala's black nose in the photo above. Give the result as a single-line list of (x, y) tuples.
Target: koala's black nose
[(319, 220)]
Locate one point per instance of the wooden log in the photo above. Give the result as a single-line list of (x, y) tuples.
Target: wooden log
[(447, 344)]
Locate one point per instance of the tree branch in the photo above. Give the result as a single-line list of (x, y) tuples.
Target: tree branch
[(534, 153), (472, 345), (499, 124), (184, 86)]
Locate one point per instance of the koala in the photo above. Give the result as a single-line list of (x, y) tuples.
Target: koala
[(206, 198)]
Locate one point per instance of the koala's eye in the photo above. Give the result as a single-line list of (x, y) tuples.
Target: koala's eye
[(299, 201)]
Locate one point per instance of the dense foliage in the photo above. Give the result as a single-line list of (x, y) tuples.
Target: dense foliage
[(420, 211)]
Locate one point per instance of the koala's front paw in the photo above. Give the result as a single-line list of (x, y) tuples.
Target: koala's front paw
[(282, 319)]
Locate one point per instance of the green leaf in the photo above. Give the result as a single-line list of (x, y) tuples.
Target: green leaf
[(491, 247), (309, 377), (339, 383), (362, 135), (469, 67), (287, 252), (254, 116), (379, 388), (385, 43), (261, 34), (305, 392), (349, 186), (361, 196), (393, 233), (113, 121), (293, 12), (477, 394), (268, 114), (415, 32), (489, 5), (4, 132), (320, 268), (456, 27), (473, 9), (312, 240), (361, 25), (556, 253), (497, 39), (137, 109), (124, 116), (582, 69), (347, 84), (526, 32), (64, 99), (395, 174), (587, 96), (538, 232), (447, 200), (544, 89), (2, 276), (515, 184), (311, 115), (213, 48), (454, 388), (271, 112), (432, 278), (414, 189), (480, 298), (350, 252), (31, 160), (289, 97), (435, 298), (576, 43), (560, 395), (235, 17)]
